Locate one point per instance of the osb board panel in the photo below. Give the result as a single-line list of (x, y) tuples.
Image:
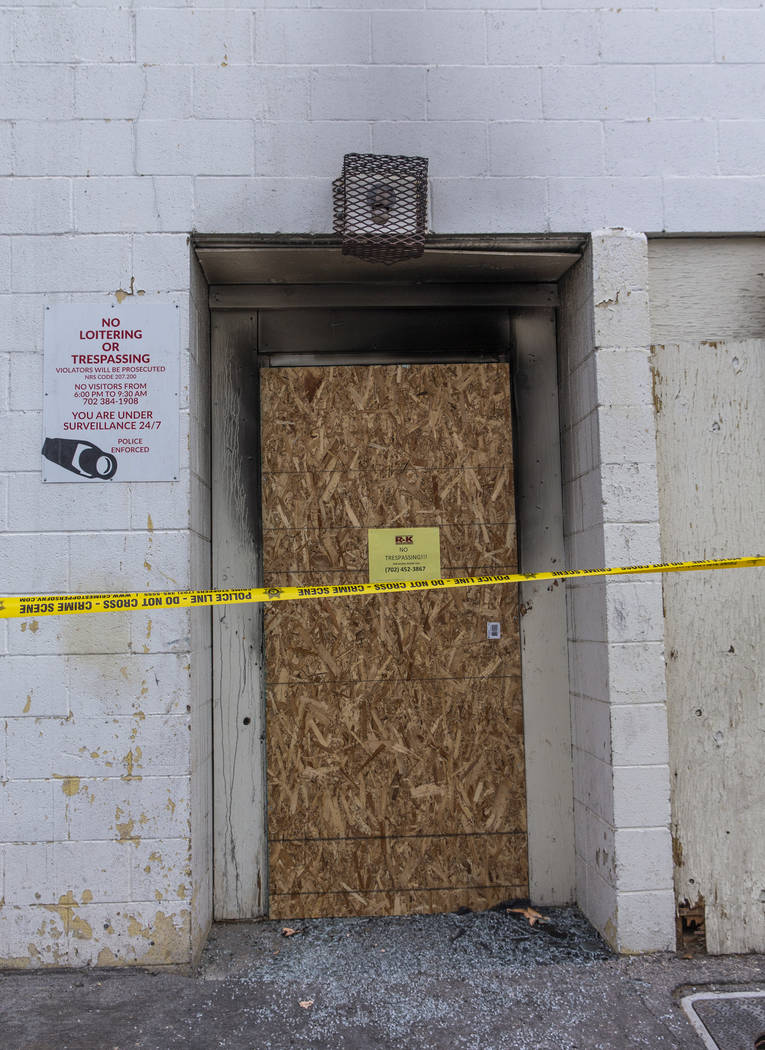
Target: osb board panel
[(424, 862), (411, 496), (493, 547), (362, 418), (327, 577), (433, 634), (404, 902), (390, 715), (396, 758)]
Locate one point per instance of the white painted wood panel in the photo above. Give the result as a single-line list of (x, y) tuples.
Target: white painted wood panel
[(544, 654), (240, 882), (706, 288), (711, 463)]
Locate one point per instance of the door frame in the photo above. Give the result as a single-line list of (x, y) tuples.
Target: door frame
[(239, 811)]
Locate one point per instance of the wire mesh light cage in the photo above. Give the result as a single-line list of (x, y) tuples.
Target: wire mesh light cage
[(380, 207)]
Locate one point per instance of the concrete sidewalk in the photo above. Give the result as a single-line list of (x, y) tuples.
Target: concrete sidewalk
[(479, 981)]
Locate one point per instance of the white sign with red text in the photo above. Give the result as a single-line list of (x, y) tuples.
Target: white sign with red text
[(111, 392)]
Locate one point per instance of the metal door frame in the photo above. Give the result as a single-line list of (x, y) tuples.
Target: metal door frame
[(240, 820)]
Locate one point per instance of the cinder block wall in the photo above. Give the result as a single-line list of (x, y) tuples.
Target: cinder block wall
[(616, 653), (124, 128), (104, 717), (563, 115)]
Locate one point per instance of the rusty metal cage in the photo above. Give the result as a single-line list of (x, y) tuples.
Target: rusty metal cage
[(380, 207)]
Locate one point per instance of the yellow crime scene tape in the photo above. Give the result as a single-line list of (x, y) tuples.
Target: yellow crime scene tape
[(75, 604)]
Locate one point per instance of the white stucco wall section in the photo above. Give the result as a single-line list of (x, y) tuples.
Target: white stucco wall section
[(616, 652)]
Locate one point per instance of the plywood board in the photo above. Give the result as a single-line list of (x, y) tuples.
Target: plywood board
[(356, 417), (485, 546), (437, 634), (395, 731), (403, 902), (394, 757), (373, 865), (338, 499)]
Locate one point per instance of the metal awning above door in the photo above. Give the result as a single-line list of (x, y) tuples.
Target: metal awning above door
[(304, 260)]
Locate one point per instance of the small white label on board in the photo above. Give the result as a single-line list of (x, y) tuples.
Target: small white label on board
[(493, 630)]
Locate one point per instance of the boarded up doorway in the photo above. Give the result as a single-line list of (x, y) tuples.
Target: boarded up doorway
[(395, 764)]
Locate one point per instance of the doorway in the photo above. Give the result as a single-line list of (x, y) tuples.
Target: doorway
[(260, 335)]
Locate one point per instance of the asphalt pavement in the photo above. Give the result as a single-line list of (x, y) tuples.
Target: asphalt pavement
[(494, 980)]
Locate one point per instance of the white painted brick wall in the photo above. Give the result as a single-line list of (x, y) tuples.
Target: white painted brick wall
[(6, 165), (545, 148), (489, 205), (194, 147), (616, 666), (284, 148), (312, 38), (486, 93), (193, 37), (656, 37), (117, 205), (437, 38), (722, 201), (96, 755), (639, 734), (36, 92), (455, 148), (368, 93), (597, 92), (742, 143), (73, 35), (739, 36), (676, 147), (640, 854), (28, 205), (82, 147), (48, 264), (716, 92), (543, 38), (261, 92)]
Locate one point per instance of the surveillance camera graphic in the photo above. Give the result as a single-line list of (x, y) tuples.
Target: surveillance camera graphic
[(80, 457)]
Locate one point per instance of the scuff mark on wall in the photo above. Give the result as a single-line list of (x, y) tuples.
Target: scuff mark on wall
[(168, 936), (122, 294), (125, 828), (131, 761), (73, 924), (69, 785)]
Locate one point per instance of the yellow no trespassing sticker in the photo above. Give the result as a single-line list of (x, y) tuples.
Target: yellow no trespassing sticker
[(76, 604)]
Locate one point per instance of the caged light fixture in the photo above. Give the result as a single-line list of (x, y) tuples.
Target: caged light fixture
[(380, 207)]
